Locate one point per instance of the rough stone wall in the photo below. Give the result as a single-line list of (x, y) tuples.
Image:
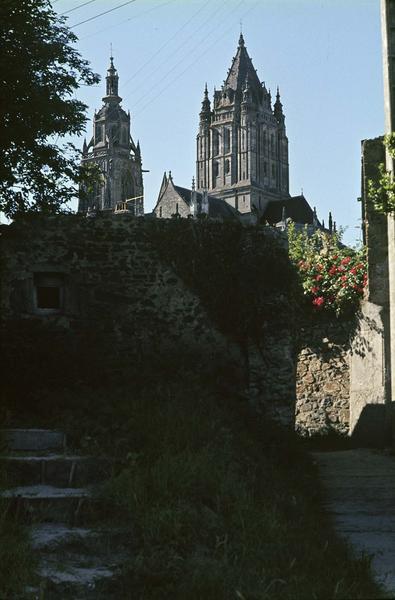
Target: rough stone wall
[(272, 374), (114, 284), (323, 380)]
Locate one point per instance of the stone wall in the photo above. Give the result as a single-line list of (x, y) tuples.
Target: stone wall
[(370, 407), (323, 380), (112, 283)]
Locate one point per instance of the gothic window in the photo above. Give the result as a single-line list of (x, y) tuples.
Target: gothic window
[(215, 169), (48, 291), (98, 133), (227, 165), (226, 140), (160, 211), (176, 208), (215, 142), (114, 132)]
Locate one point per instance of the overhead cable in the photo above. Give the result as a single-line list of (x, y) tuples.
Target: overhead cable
[(176, 33), (103, 13), (77, 7), (141, 14), (212, 30), (197, 58)]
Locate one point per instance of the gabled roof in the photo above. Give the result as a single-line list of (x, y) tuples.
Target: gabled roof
[(217, 208), (241, 67), (296, 208)]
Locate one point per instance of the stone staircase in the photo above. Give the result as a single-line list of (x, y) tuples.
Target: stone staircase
[(55, 493)]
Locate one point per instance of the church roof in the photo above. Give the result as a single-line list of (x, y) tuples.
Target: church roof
[(241, 68), (296, 208), (217, 208)]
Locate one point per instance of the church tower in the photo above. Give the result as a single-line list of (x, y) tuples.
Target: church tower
[(114, 152), (242, 147)]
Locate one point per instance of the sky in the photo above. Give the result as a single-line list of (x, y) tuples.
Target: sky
[(325, 55)]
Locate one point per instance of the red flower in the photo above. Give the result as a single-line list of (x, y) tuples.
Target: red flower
[(318, 301), (353, 270), (318, 277), (343, 277), (314, 290), (346, 260), (332, 270)]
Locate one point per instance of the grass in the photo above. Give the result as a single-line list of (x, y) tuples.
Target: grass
[(223, 505)]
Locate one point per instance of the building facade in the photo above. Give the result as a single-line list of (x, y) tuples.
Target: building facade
[(113, 151), (242, 147)]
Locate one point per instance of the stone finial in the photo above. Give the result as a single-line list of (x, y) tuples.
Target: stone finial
[(193, 184), (241, 41), (330, 222)]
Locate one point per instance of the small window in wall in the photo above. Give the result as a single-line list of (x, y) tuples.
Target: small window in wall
[(227, 165), (49, 291), (215, 169), (176, 208), (236, 203), (160, 211)]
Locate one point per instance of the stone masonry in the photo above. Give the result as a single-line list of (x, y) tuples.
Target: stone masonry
[(323, 380)]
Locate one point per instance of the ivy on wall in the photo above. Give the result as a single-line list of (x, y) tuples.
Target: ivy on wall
[(381, 193)]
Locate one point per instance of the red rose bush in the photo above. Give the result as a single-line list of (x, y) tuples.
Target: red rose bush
[(333, 276)]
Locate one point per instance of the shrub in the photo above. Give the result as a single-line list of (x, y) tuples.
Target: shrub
[(333, 276)]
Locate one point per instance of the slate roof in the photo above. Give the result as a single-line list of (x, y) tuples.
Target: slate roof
[(296, 208), (217, 208), (241, 66)]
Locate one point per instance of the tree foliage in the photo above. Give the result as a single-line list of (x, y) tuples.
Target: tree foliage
[(40, 71)]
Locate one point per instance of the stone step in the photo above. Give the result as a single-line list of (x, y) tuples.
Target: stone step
[(103, 541), (56, 470), (44, 503), (79, 562), (34, 439)]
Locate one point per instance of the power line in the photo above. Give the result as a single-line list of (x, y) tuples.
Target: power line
[(165, 44), (139, 100), (126, 20), (77, 7), (198, 58), (103, 13)]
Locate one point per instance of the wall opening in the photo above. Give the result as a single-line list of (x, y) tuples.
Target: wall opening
[(49, 291)]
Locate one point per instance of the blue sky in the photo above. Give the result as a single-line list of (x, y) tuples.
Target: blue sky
[(324, 54)]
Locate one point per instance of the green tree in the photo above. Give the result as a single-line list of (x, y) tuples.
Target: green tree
[(40, 71)]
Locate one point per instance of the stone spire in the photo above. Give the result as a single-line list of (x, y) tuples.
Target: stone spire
[(278, 108), (112, 84), (240, 68), (206, 106)]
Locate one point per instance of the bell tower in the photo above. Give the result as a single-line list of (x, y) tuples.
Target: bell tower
[(242, 147), (114, 152)]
